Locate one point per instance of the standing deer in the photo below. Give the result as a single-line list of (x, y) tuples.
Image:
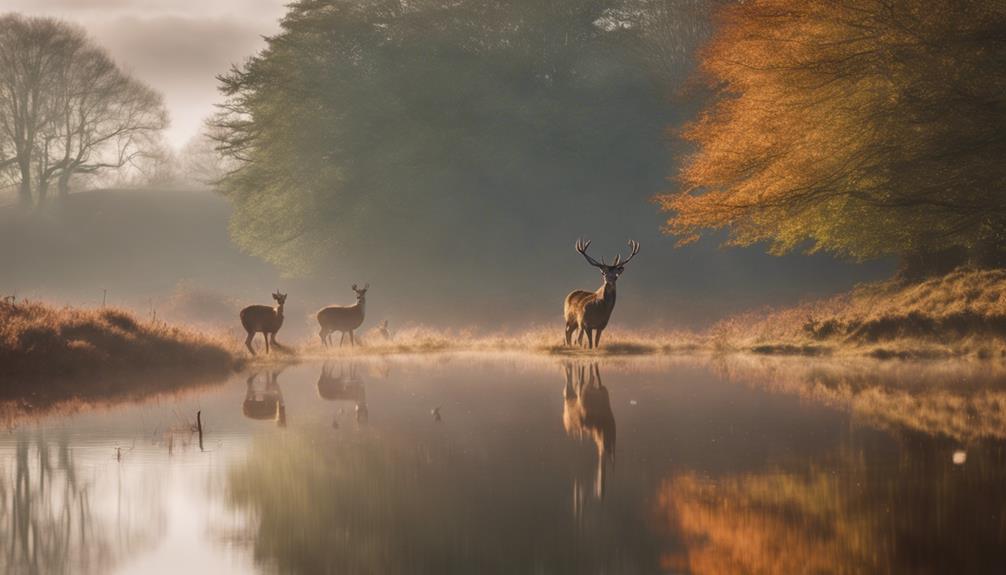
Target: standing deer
[(264, 319), (343, 318), (590, 311)]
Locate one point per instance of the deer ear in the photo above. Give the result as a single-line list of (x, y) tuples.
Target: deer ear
[(354, 287)]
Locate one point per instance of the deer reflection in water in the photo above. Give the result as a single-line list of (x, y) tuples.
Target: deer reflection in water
[(266, 403), (344, 387), (587, 414)]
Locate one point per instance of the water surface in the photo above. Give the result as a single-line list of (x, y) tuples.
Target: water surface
[(513, 464)]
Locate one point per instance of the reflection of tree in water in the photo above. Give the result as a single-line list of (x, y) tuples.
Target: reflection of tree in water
[(52, 520), (864, 512), (587, 414)]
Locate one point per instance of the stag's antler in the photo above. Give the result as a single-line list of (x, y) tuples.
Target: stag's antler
[(634, 246), (581, 246)]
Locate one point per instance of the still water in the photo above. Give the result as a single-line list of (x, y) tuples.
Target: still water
[(512, 464)]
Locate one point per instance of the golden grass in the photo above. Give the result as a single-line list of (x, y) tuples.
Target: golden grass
[(541, 340), (38, 340), (960, 314)]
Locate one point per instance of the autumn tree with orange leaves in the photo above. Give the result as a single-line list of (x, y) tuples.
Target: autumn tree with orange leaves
[(864, 128)]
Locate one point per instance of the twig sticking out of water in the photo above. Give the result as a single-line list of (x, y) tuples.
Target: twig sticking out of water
[(199, 428)]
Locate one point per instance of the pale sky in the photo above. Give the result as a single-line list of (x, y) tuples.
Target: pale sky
[(175, 46)]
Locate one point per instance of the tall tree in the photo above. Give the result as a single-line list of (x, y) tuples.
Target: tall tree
[(392, 127), (32, 51), (66, 108), (859, 127)]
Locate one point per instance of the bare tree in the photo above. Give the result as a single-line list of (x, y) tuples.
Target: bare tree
[(30, 52), (66, 109)]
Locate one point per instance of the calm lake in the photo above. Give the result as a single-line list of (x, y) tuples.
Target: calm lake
[(519, 464)]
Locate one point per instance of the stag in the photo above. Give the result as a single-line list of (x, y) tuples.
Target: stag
[(343, 318), (587, 413), (264, 319), (588, 311)]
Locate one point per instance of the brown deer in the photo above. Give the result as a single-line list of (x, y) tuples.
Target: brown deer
[(264, 319), (590, 311), (587, 413), (343, 318)]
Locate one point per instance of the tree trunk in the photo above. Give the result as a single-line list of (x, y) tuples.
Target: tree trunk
[(42, 192), (24, 190), (63, 184)]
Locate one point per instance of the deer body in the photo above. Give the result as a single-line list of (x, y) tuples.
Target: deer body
[(589, 312), (343, 318), (263, 319)]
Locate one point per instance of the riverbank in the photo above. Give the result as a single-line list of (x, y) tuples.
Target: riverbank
[(42, 341), (961, 314)]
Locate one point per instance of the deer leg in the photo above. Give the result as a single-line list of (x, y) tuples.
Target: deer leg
[(248, 342), (321, 334), (597, 338), (265, 336), (352, 341), (569, 334), (342, 339), (579, 337), (590, 339)]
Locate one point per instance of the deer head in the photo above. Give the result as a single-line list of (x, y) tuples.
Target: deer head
[(361, 294), (279, 297), (611, 272)]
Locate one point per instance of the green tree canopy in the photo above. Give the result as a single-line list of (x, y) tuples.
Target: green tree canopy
[(860, 127), (430, 129)]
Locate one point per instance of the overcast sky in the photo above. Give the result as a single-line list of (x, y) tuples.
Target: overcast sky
[(176, 46)]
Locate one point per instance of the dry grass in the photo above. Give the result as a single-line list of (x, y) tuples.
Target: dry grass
[(960, 314), (37, 340), (543, 340)]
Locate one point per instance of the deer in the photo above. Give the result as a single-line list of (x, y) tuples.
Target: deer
[(343, 318), (587, 311), (264, 319), (587, 413)]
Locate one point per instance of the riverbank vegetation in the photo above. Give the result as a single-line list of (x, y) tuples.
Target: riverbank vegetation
[(40, 340), (960, 314)]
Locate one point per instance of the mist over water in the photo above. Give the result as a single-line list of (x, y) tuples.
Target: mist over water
[(168, 252)]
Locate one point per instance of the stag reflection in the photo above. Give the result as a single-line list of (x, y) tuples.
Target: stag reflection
[(266, 403), (587, 414), (347, 386)]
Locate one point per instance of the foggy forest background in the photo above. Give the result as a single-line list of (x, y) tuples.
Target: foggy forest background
[(450, 153)]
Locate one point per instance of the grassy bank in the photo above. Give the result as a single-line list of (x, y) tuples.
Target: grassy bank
[(41, 341), (957, 315), (962, 314)]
